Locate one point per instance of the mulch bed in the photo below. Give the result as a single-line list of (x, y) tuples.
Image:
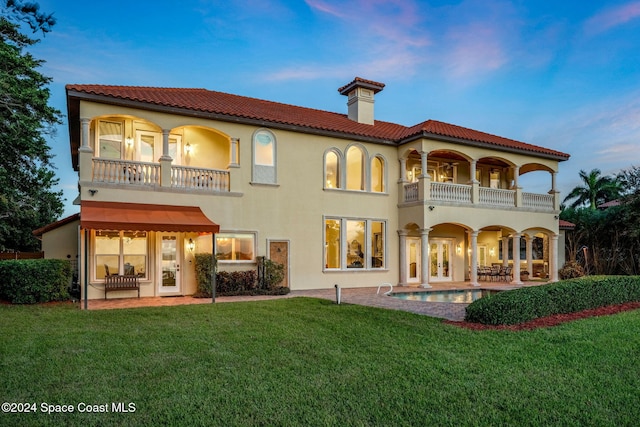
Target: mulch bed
[(545, 322)]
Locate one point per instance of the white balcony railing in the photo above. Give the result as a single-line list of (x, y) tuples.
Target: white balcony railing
[(411, 192), (445, 192), (537, 201), (199, 178), (126, 172), (497, 197)]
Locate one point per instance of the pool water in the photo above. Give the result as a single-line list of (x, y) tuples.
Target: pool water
[(462, 296)]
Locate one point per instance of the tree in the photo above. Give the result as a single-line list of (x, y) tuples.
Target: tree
[(596, 189), (27, 198)]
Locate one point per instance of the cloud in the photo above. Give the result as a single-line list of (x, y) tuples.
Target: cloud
[(379, 38), (612, 17), (474, 50)]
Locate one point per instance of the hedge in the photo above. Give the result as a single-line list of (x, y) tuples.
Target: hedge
[(34, 280), (234, 282), (568, 296)]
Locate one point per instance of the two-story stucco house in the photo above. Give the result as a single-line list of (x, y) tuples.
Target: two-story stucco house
[(338, 198)]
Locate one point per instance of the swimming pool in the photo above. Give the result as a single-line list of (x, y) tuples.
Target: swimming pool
[(462, 296)]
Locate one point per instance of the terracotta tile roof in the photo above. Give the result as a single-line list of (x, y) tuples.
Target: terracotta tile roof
[(610, 204), (358, 81), (566, 225), (40, 231), (235, 107)]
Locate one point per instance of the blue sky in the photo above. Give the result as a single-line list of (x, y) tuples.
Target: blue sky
[(561, 74)]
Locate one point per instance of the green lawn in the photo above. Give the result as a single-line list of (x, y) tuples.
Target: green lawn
[(310, 362)]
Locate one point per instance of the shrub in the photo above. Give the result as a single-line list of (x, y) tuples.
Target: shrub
[(33, 281), (272, 273), (571, 270), (231, 282), (569, 296)]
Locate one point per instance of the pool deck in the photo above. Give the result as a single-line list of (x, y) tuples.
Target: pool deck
[(366, 296)]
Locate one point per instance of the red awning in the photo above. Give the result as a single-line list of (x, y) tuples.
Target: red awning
[(144, 217)]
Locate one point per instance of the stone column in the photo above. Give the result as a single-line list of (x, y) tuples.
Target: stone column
[(473, 271), (529, 242), (423, 162), (475, 184), (165, 160), (553, 258), (402, 180), (518, 200), (424, 257), (505, 251), (516, 259), (403, 257), (233, 161), (85, 152)]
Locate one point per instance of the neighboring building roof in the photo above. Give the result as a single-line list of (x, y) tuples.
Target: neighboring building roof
[(610, 204), (240, 109), (49, 227), (566, 225)]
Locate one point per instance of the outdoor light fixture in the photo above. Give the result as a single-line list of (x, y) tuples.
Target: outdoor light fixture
[(459, 249), (431, 208), (129, 141), (492, 251), (191, 245), (187, 148)]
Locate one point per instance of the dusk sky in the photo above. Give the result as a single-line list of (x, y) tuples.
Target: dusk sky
[(561, 74)]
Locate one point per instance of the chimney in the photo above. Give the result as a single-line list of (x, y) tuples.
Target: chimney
[(360, 93)]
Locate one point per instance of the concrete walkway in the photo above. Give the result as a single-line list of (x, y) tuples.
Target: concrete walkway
[(360, 296)]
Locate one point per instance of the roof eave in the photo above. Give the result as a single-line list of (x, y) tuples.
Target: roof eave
[(480, 144)]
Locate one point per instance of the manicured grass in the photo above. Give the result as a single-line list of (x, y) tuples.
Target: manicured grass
[(310, 362)]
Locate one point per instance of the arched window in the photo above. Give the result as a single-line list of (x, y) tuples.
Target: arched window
[(264, 157), (332, 170), (377, 174), (355, 168)]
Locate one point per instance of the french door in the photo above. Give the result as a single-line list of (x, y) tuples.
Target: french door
[(440, 260), (413, 266), (169, 261)]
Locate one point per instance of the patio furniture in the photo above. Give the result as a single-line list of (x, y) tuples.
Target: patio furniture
[(121, 283), (495, 272), (505, 274)]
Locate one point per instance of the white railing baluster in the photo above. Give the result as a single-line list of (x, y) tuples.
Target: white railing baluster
[(200, 178)]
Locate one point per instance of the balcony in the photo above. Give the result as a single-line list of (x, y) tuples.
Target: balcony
[(474, 195), (143, 174)]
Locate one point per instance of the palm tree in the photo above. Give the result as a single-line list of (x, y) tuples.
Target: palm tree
[(596, 189)]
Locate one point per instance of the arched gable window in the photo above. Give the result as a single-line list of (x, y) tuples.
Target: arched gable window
[(355, 168), (377, 174), (332, 169), (264, 157)]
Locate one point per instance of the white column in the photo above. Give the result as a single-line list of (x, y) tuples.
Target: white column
[(423, 162), (403, 257), (474, 165), (424, 257), (516, 259), (84, 124), (233, 162), (165, 145), (529, 242), (553, 258), (403, 171), (473, 271), (505, 251)]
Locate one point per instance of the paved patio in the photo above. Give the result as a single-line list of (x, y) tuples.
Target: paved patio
[(361, 296)]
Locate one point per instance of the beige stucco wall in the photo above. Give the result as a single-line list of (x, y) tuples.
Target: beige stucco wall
[(295, 208), (61, 242)]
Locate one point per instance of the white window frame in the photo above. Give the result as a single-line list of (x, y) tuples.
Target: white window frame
[(97, 138), (368, 238), (232, 234), (120, 255), (264, 174)]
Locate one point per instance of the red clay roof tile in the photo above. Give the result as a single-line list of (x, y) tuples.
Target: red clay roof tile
[(224, 104)]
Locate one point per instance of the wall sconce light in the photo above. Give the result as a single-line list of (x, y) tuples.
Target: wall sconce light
[(459, 249), (431, 208), (129, 141), (187, 148), (191, 245), (492, 251), (556, 217)]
